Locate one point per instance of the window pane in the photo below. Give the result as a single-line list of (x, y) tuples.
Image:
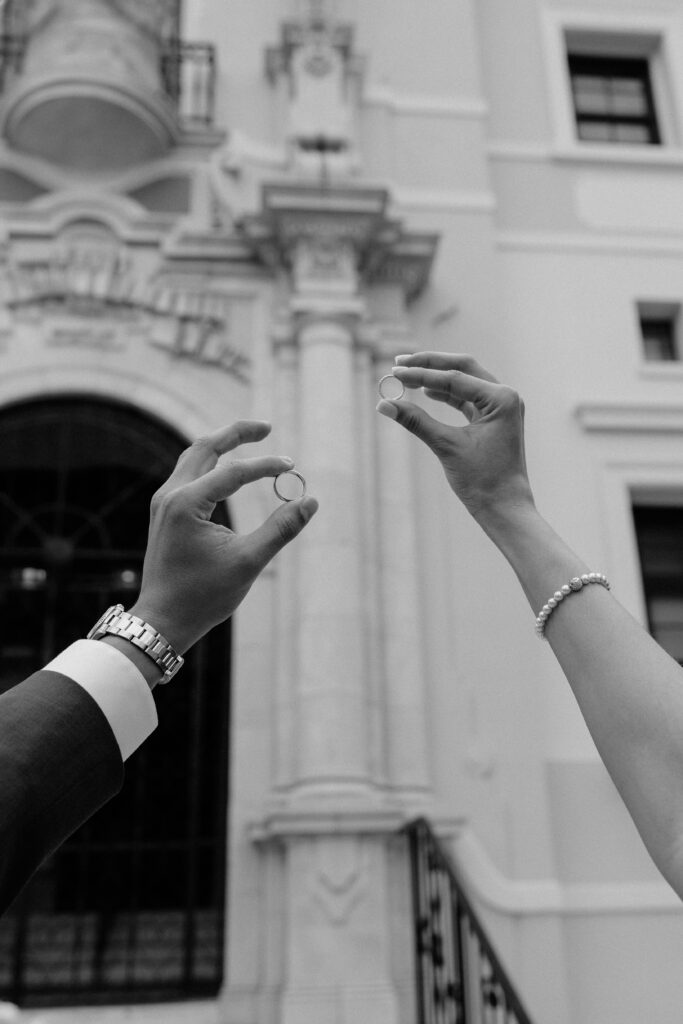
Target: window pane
[(657, 350), (613, 99), (590, 94), (666, 621), (632, 134), (595, 131), (659, 338), (629, 97), (659, 531)]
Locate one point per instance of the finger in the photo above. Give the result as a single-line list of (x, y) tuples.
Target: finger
[(281, 527), (417, 421), (466, 408), (221, 482), (447, 361), (458, 386), (204, 453)]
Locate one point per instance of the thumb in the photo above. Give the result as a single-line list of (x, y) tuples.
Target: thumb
[(416, 420), (280, 528)]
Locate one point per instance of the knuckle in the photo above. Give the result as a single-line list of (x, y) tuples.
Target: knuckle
[(509, 398), (166, 503), (202, 444), (157, 500), (238, 470)]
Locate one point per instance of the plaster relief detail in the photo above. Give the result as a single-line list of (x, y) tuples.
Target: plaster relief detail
[(318, 80), (92, 280), (341, 878)]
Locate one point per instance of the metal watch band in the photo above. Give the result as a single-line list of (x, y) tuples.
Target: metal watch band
[(119, 623)]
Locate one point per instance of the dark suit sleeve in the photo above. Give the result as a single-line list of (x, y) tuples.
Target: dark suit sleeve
[(59, 762)]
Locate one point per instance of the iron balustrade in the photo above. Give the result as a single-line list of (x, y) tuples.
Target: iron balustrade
[(188, 72), (12, 49), (460, 979)]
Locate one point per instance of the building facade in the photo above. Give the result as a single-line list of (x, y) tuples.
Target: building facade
[(213, 211)]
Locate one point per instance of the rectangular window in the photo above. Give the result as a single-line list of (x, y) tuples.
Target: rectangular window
[(659, 331), (613, 99), (659, 530)]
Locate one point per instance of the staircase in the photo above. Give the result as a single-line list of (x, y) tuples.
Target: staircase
[(460, 980)]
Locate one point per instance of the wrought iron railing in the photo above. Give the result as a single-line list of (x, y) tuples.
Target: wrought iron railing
[(12, 48), (188, 74), (460, 980)]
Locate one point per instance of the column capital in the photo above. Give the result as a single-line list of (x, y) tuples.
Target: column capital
[(333, 239)]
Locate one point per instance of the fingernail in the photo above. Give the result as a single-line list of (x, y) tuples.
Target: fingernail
[(286, 458), (387, 409), (309, 506), (401, 359)]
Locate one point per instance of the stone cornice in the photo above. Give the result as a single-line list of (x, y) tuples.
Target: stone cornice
[(330, 216)]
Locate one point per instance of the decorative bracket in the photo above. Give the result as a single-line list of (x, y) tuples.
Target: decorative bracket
[(335, 238)]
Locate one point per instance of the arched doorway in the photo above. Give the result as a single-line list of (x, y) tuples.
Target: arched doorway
[(132, 906)]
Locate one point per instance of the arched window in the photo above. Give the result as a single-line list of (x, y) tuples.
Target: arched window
[(132, 906)]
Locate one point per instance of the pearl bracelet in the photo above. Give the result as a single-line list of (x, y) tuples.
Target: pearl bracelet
[(575, 584)]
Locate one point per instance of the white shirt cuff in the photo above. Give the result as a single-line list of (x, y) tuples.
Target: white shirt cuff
[(116, 685)]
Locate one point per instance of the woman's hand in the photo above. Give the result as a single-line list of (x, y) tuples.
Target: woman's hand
[(197, 572), (483, 459)]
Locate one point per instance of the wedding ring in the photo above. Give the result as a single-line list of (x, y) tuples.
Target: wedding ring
[(382, 387), (290, 472)]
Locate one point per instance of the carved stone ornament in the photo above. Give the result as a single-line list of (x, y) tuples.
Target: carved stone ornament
[(341, 880), (338, 237), (91, 288), (319, 77)]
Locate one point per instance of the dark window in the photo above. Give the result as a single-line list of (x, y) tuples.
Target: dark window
[(131, 908), (613, 100), (659, 530), (659, 338)]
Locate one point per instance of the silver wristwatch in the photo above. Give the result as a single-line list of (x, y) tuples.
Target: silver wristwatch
[(119, 623)]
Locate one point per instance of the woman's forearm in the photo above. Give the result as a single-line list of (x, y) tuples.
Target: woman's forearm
[(629, 690)]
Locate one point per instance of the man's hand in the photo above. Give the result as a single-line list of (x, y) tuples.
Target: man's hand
[(483, 459), (196, 572)]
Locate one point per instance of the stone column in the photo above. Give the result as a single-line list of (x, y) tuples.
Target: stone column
[(332, 717), (331, 820), (402, 637)]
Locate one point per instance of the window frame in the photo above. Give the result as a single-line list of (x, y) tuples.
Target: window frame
[(657, 584), (610, 67), (586, 32), (653, 311)]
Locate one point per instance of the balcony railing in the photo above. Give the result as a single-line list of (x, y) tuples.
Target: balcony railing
[(460, 980), (12, 48), (188, 74)]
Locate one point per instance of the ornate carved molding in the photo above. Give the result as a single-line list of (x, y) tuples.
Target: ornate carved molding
[(318, 77), (334, 238), (87, 293)]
